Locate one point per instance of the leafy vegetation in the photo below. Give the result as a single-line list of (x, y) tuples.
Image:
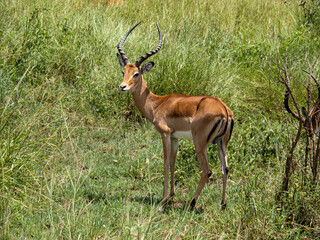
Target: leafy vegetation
[(77, 159)]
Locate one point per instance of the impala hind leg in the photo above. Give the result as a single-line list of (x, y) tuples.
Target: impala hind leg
[(222, 148), (201, 152)]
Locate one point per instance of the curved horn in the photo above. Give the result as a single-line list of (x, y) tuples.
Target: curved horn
[(154, 51), (316, 81), (286, 98), (123, 55)]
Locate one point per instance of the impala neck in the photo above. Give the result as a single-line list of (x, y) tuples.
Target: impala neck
[(144, 99)]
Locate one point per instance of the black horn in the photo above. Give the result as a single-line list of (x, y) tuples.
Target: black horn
[(154, 51), (122, 53)]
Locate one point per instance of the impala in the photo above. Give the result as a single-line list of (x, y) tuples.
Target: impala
[(202, 119)]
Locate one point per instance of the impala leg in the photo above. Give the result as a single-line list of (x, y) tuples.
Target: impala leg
[(173, 157), (201, 152), (222, 147), (166, 141)]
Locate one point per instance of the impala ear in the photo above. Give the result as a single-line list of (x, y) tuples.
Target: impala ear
[(147, 67), (121, 62)]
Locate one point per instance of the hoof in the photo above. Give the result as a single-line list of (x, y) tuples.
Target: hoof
[(223, 206), (161, 209), (166, 201), (192, 204)]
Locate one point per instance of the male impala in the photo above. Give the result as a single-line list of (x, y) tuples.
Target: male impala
[(202, 119)]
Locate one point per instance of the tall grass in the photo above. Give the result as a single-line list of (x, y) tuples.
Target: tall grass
[(79, 161)]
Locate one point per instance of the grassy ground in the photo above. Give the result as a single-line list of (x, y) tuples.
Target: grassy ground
[(79, 162)]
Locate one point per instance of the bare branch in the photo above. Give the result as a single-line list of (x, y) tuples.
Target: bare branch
[(288, 93), (315, 80), (315, 61)]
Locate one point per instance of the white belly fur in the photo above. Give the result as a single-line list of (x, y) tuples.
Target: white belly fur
[(182, 135)]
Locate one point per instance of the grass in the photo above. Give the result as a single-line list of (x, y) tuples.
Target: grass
[(79, 162)]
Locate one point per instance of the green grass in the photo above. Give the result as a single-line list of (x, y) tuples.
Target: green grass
[(78, 161)]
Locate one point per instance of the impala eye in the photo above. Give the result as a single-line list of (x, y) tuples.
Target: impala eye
[(135, 75), (123, 73)]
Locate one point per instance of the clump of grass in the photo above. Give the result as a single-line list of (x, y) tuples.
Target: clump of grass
[(17, 152)]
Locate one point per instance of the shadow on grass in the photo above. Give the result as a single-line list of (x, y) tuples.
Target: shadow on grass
[(108, 198), (177, 206), (182, 206), (146, 199)]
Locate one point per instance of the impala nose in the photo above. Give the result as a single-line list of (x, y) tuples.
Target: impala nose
[(122, 87)]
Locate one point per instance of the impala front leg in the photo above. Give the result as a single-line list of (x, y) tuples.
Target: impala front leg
[(166, 142), (173, 157)]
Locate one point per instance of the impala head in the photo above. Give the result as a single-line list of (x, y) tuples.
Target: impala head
[(132, 72)]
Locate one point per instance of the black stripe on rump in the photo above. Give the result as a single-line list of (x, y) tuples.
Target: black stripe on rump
[(213, 129), (231, 128), (214, 141), (201, 100)]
